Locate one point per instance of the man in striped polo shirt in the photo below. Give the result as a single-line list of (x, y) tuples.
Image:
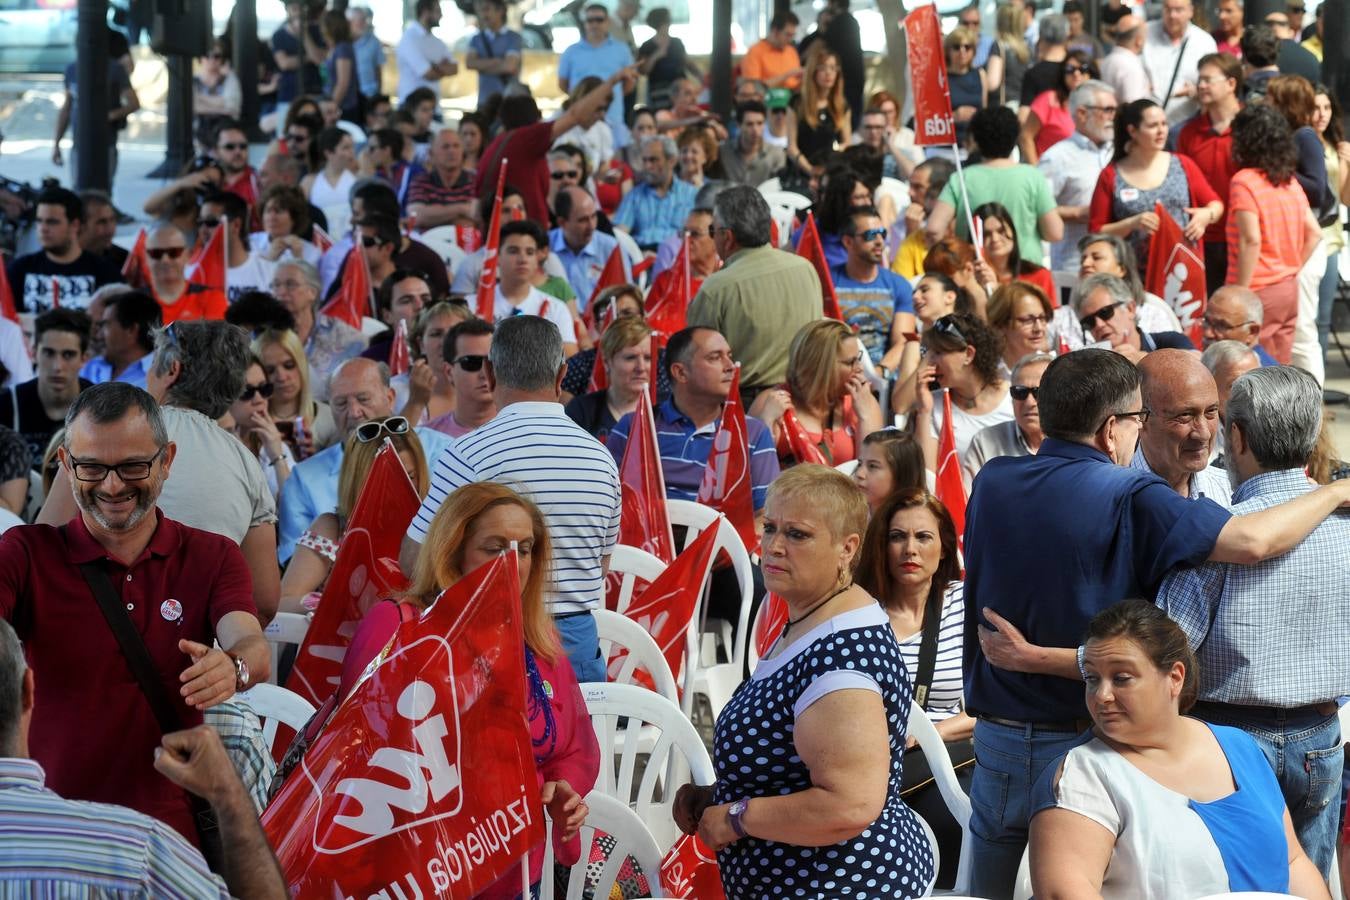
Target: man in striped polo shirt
[(534, 448)]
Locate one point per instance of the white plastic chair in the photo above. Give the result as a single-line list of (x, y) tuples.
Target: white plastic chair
[(358, 135), (1022, 885), (934, 750), (898, 191), (848, 468), (791, 199), (276, 706), (631, 838), (285, 628), (633, 564), (714, 680), (770, 185), (677, 754), (450, 253), (447, 234), (617, 632)]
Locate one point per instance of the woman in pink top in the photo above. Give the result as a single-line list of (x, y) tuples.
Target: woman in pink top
[(1048, 120), (1271, 232)]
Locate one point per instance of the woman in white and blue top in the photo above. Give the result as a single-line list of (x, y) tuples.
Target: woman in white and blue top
[(1153, 803)]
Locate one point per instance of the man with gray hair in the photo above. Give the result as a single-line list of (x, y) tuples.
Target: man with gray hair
[(1123, 68), (1227, 361), (761, 297), (657, 205), (1073, 165), (1268, 638), (1106, 311), (1052, 46), (534, 448)]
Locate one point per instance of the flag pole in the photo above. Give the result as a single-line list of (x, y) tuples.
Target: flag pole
[(970, 213)]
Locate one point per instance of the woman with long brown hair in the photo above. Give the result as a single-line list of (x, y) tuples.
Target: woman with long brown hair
[(821, 121)]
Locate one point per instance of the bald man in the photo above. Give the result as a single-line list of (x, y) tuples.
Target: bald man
[(1176, 440), (1235, 314)]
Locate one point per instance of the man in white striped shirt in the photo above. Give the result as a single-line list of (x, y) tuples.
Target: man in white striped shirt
[(534, 448)]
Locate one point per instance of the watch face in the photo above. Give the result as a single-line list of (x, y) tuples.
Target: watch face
[(241, 670), (738, 807)]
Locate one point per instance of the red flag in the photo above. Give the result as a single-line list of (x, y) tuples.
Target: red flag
[(726, 485), (599, 374), (950, 488), (773, 615), (352, 301), (610, 275), (7, 308), (799, 442), (933, 122), (136, 269), (668, 299), (665, 609), (690, 870), (400, 359), (467, 237), (321, 240), (1063, 345), (1176, 273), (809, 247), (644, 521), (365, 571), (212, 261), (423, 783), (487, 279)]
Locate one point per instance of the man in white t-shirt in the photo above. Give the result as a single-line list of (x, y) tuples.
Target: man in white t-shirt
[(245, 271), (1174, 45), (423, 59), (517, 264)]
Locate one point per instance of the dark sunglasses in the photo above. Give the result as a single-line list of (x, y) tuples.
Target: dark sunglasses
[(1077, 70), (1105, 314), (298, 138), (170, 252), (208, 223), (596, 20), (370, 240), (218, 56), (560, 175), (265, 390), (469, 363), (1021, 392), (963, 46), (234, 146), (370, 431)]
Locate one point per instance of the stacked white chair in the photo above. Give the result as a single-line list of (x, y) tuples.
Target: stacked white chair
[(944, 775), (617, 632), (284, 629), (631, 839), (276, 706)]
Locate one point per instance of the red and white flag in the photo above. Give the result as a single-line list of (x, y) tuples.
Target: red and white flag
[(212, 261), (487, 279), (950, 487), (644, 521), (423, 783), (7, 307), (810, 248), (727, 485), (599, 373), (769, 623), (1176, 273), (670, 295), (322, 240), (352, 303), (933, 121), (799, 442), (690, 870), (136, 268), (613, 273), (366, 570), (400, 357)]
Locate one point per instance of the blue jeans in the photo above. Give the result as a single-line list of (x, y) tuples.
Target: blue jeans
[(1326, 299), (1008, 762), (1307, 757), (581, 643)]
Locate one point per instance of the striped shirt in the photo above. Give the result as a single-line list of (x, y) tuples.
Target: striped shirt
[(53, 847), (534, 448), (945, 694)]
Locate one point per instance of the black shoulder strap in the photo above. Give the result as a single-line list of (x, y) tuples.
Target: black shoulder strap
[(932, 624), (133, 648)]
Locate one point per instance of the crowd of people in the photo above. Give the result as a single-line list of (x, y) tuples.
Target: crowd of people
[(1121, 622)]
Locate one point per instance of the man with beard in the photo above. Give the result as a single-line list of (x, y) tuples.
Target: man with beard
[(1267, 638), (1177, 440), (175, 589), (656, 207)]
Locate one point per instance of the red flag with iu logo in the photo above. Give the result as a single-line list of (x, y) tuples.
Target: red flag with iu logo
[(726, 485), (810, 248), (644, 521), (487, 279), (1176, 273), (933, 121), (950, 489)]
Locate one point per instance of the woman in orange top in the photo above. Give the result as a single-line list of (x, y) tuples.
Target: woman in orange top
[(1272, 231)]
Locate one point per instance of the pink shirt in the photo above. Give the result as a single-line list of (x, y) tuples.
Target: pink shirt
[(1280, 212)]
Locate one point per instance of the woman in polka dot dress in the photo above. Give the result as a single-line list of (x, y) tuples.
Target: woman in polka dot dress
[(808, 751)]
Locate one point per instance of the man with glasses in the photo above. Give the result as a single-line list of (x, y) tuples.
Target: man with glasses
[(1236, 313), (465, 349), (62, 265), (244, 270), (1123, 68), (230, 172), (1178, 441), (1173, 49), (167, 250), (1073, 165), (126, 325), (443, 194), (875, 301), (1207, 138), (1294, 58), (582, 249), (1106, 312), (1022, 435), (703, 258), (177, 589), (600, 55), (1117, 532)]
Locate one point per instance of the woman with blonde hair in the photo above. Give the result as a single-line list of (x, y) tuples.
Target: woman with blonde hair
[(626, 349), (1013, 50), (287, 370), (476, 524), (316, 549), (826, 392), (821, 121), (969, 90)]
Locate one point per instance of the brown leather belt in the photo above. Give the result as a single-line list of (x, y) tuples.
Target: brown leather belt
[(1071, 726)]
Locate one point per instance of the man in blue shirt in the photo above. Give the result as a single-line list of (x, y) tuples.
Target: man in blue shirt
[(878, 303), (600, 55), (657, 206), (127, 326), (494, 51), (368, 50), (582, 250), (1108, 532)]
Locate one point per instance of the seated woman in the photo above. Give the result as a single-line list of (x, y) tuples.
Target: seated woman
[(935, 296), (316, 549), (1001, 263), (253, 425), (843, 192), (796, 811), (626, 348), (428, 393), (284, 362), (826, 392), (627, 301), (963, 357), (1153, 801), (285, 217), (1021, 313), (909, 562), (889, 461), (477, 523)]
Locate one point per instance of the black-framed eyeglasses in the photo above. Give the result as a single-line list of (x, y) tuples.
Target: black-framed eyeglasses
[(1105, 314), (947, 327), (128, 471), (208, 223), (1021, 392), (1140, 414), (233, 147), (1108, 110), (1032, 321), (469, 362), (596, 20), (297, 137), (265, 389), (371, 431)]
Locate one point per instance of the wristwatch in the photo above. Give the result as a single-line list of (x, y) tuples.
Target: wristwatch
[(734, 814), (240, 672)]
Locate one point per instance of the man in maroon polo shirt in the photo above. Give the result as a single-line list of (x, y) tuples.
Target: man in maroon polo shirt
[(94, 732), (1207, 138)]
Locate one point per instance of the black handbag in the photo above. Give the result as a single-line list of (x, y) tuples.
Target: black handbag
[(166, 714)]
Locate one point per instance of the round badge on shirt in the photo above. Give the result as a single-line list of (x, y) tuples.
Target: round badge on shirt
[(171, 610)]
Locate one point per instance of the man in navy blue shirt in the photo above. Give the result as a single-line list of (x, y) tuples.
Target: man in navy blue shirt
[(1108, 532)]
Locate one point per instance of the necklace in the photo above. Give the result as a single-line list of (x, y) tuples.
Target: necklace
[(806, 615)]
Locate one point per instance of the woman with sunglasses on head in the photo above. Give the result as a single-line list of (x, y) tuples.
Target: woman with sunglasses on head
[(305, 424), (889, 461), (1000, 262), (935, 296), (962, 355), (626, 348), (1020, 437), (1021, 314), (1048, 120), (316, 549), (254, 427), (826, 391)]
